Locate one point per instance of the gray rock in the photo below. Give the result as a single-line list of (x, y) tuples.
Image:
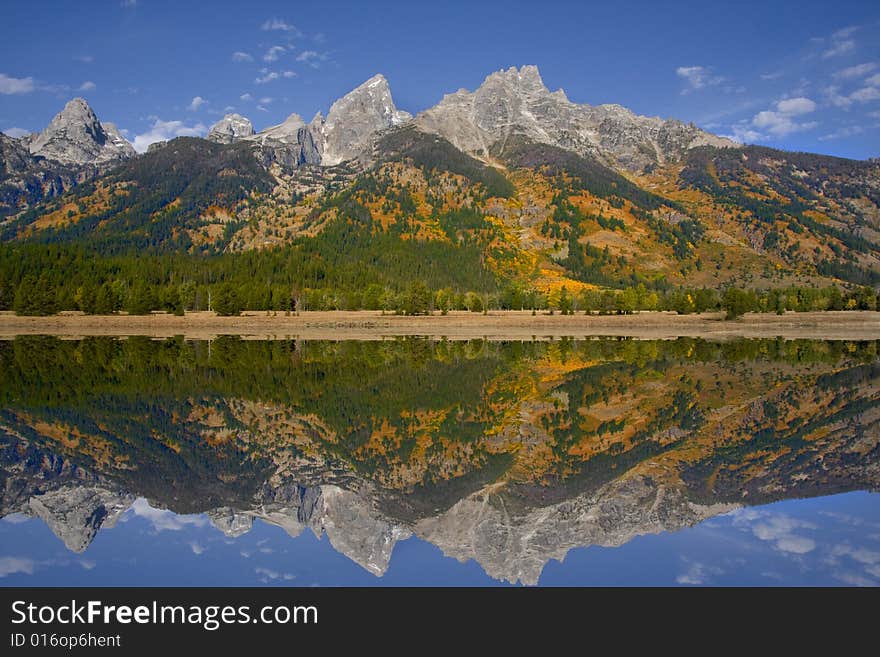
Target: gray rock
[(289, 144), (515, 102), (355, 119), (230, 129), (76, 137), (75, 514), (26, 179)]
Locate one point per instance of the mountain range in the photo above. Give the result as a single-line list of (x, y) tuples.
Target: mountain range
[(543, 191)]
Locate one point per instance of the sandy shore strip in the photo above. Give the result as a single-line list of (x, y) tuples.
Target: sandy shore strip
[(496, 325)]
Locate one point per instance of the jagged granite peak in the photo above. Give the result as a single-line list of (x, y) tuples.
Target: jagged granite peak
[(516, 102), (76, 513), (290, 143), (76, 136), (230, 129), (286, 131), (354, 120), (515, 547)]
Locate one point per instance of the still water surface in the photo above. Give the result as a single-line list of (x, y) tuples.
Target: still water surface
[(417, 461)]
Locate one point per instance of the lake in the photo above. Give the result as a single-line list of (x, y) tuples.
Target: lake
[(421, 461)]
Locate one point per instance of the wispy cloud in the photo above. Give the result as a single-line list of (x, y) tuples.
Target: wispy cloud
[(128, 4), (267, 574), (312, 57), (278, 24), (697, 77), (778, 529), (15, 133), (196, 103), (843, 133), (780, 121), (88, 85), (10, 85), (869, 90), (161, 519), (841, 43), (857, 71), (698, 574), (274, 53), (269, 76), (240, 57), (85, 59), (15, 565), (246, 98)]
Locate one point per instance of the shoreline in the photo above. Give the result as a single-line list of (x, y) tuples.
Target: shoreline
[(458, 325)]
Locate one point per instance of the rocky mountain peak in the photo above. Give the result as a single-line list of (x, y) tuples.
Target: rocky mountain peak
[(76, 136), (516, 102), (526, 79), (231, 128), (356, 117)]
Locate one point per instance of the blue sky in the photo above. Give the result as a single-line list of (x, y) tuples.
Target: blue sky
[(823, 541), (796, 75)]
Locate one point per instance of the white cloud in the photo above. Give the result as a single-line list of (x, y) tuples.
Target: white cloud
[(312, 57), (698, 574), (274, 53), (266, 574), (796, 106), (868, 92), (197, 547), (128, 4), (278, 24), (196, 103), (15, 565), (266, 100), (15, 133), (840, 42), (842, 133), (162, 519), (771, 76), (776, 528), (742, 133), (10, 85), (856, 71), (865, 94), (697, 77), (85, 59), (778, 122), (269, 76), (239, 57), (246, 97), (88, 85), (263, 79), (262, 109), (839, 48)]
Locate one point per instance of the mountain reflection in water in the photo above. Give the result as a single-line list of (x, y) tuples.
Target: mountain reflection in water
[(510, 454)]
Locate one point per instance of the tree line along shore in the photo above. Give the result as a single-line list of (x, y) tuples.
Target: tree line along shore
[(40, 296)]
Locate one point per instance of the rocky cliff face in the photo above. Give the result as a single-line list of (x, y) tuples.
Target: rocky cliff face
[(230, 129), (355, 119), (25, 179), (515, 102), (76, 137), (290, 143)]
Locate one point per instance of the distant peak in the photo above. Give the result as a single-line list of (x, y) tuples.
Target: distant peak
[(230, 129), (527, 78)]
